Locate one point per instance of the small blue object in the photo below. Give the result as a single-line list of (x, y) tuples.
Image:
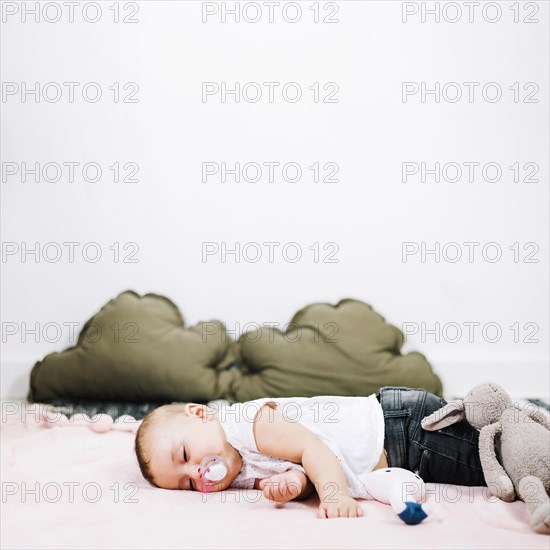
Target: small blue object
[(413, 513)]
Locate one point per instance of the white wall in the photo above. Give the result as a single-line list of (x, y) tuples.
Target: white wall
[(369, 212)]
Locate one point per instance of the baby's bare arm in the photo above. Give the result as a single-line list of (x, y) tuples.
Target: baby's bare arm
[(307, 488), (279, 437)]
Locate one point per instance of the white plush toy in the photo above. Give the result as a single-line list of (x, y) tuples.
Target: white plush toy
[(400, 488)]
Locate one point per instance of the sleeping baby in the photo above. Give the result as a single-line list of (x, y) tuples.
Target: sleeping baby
[(287, 447)]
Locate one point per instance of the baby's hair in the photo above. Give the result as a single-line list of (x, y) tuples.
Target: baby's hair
[(151, 420)]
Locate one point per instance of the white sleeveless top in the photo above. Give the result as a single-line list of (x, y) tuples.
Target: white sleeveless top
[(352, 427)]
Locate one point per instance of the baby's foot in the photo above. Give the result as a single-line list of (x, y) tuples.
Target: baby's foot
[(283, 487)]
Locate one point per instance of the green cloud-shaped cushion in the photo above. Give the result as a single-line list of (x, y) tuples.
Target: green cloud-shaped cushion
[(347, 349), (139, 349)]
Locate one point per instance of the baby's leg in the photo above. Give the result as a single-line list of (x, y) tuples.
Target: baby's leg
[(448, 455)]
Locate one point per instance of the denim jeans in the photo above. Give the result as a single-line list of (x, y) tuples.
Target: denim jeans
[(448, 455)]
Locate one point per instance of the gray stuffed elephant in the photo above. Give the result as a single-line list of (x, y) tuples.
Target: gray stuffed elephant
[(521, 439)]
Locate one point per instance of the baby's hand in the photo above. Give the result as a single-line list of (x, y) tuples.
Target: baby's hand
[(283, 487), (340, 505)]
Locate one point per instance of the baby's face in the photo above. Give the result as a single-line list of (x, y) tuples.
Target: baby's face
[(178, 445)]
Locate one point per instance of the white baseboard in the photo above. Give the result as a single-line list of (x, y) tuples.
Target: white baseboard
[(525, 379), (15, 377)]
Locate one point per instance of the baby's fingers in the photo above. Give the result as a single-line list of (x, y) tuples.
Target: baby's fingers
[(327, 511), (281, 491), (272, 492)]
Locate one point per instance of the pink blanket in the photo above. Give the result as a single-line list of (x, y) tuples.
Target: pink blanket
[(73, 488)]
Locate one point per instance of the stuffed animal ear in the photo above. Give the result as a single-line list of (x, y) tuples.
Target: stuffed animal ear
[(451, 413)]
